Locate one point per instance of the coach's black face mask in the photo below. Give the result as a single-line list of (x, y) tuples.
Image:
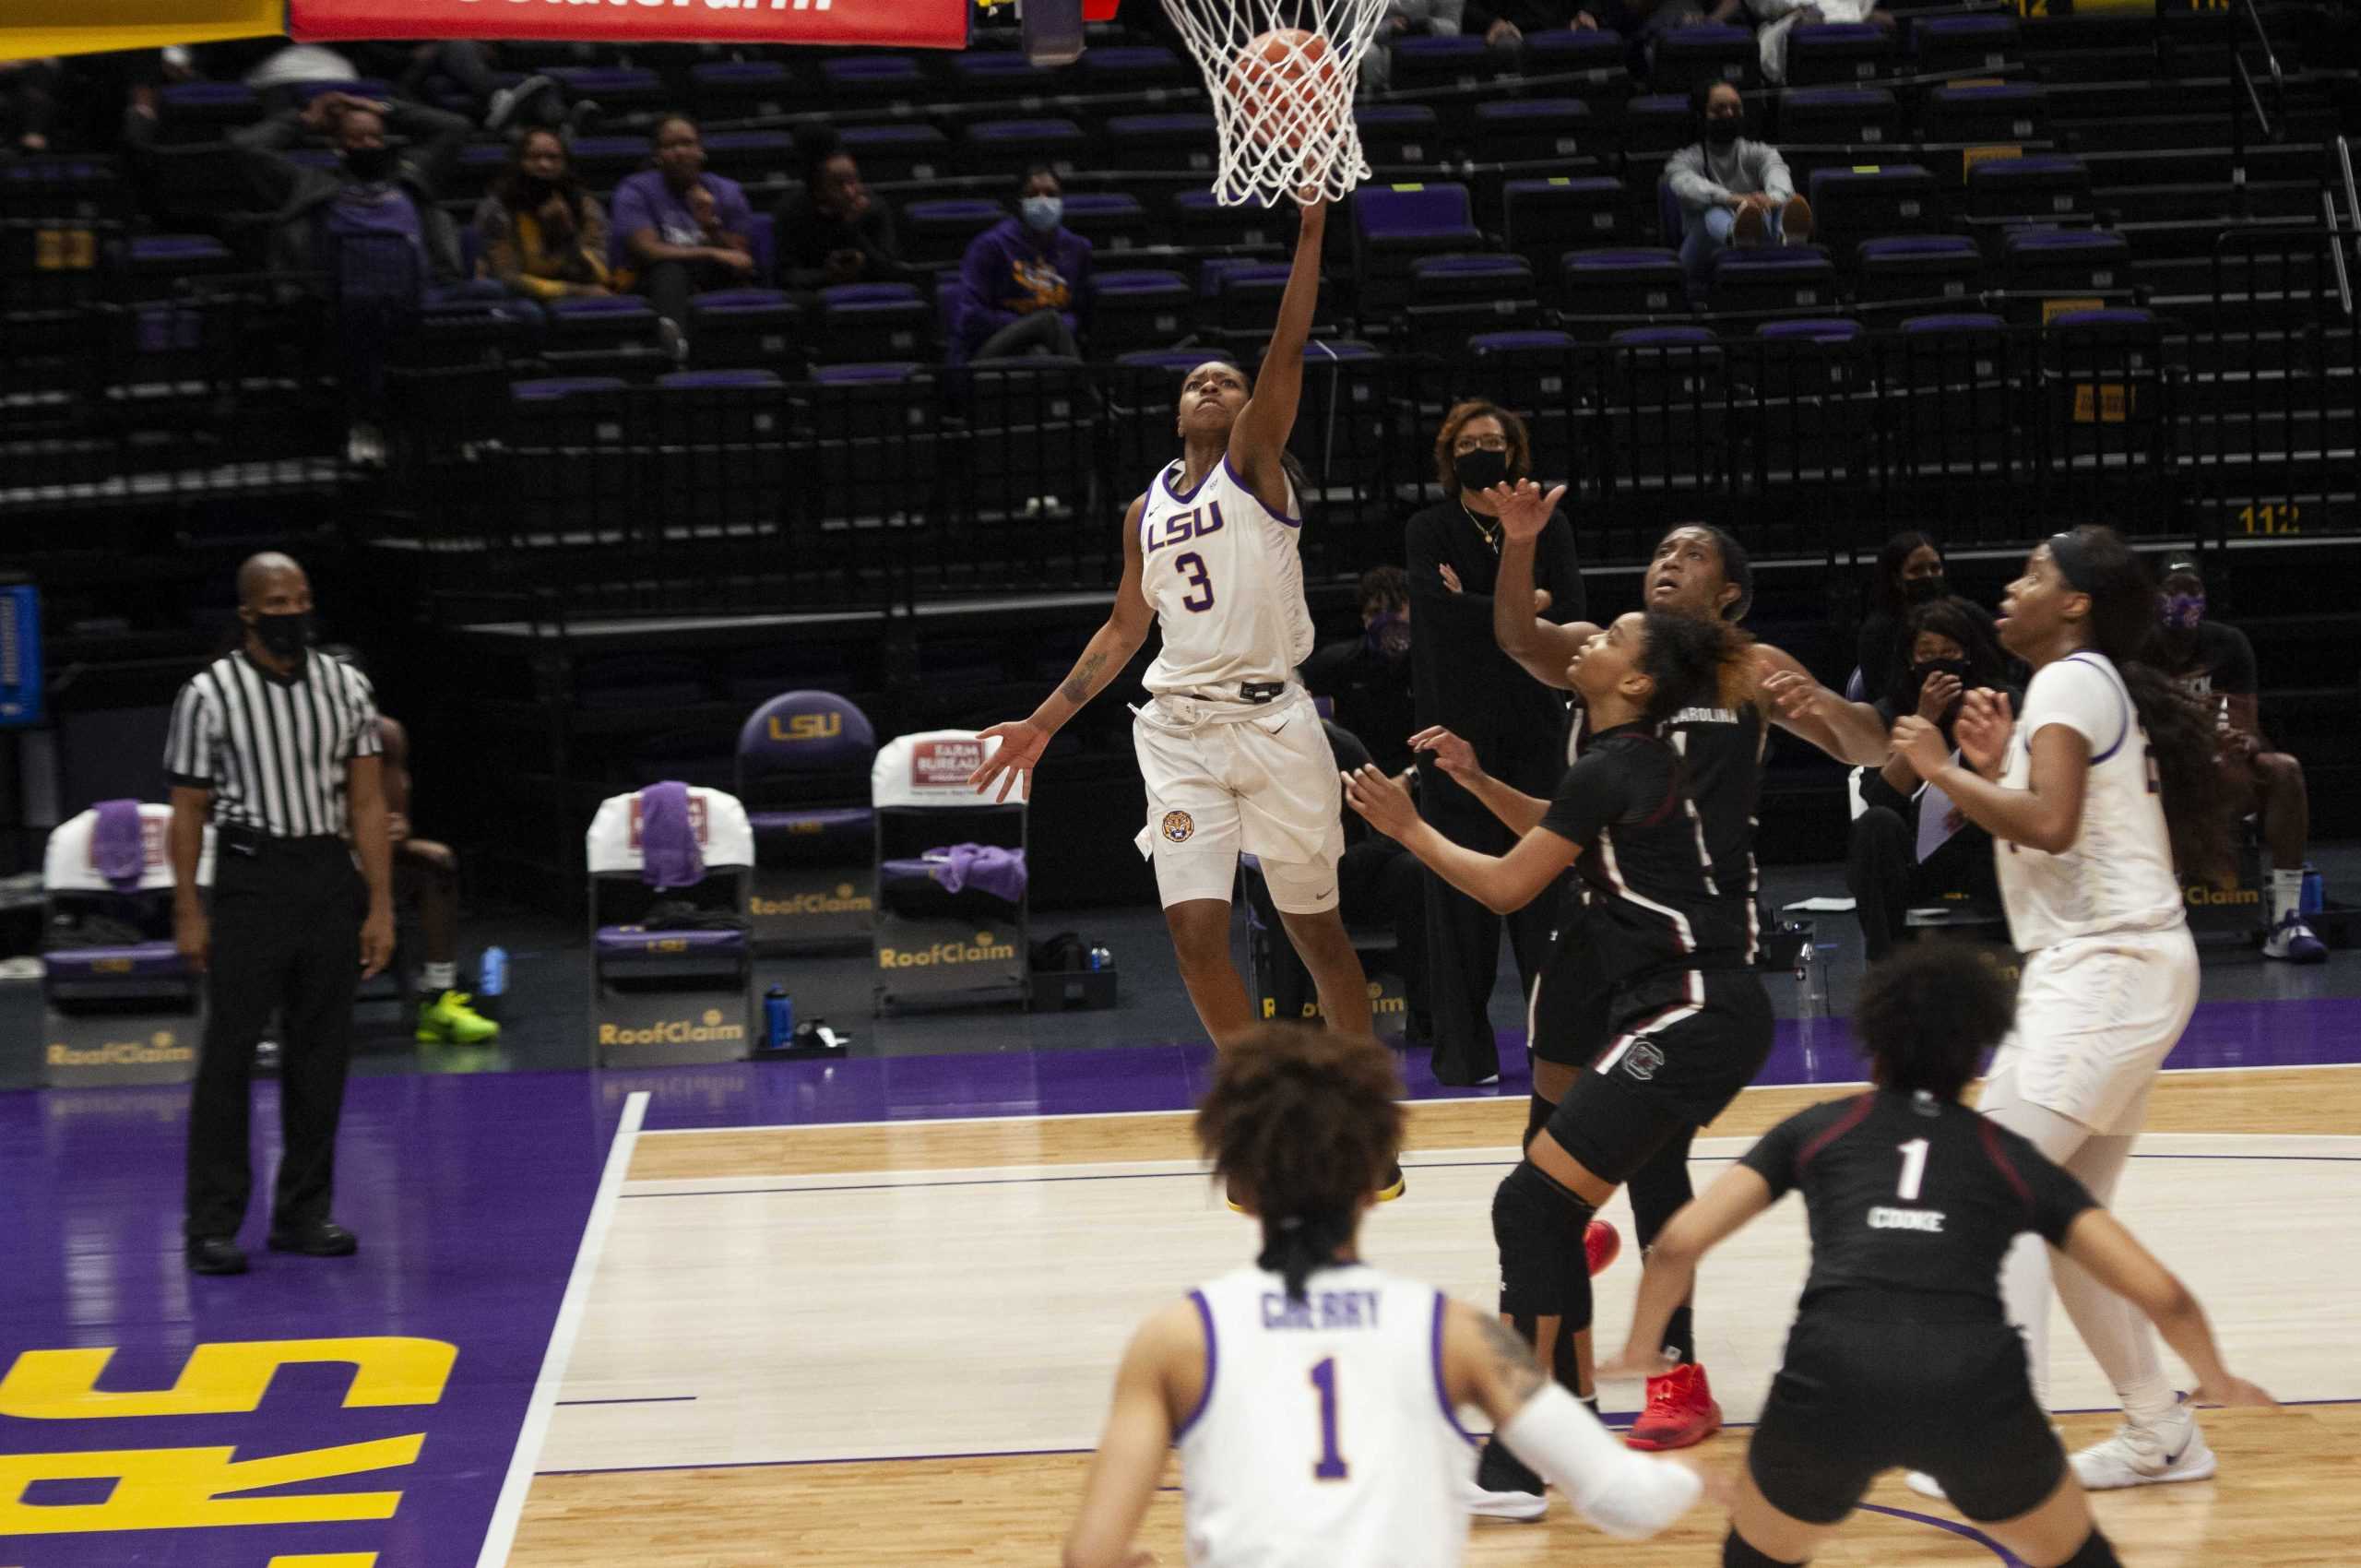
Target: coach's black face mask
[(1480, 470), (283, 636)]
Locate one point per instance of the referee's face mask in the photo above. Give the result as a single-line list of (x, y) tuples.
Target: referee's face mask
[(281, 620)]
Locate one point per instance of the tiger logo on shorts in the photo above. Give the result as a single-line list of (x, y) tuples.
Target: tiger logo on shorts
[(1178, 826)]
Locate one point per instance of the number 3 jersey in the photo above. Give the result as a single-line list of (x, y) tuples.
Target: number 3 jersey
[(1911, 1197), (1222, 573), (1324, 1438)]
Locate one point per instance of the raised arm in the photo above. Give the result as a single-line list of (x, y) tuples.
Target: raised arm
[(2115, 1259), (1110, 649), (1623, 1493), (1543, 647), (1260, 435)]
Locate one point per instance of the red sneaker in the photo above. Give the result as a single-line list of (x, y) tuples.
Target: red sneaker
[(1681, 1413), (1601, 1245)]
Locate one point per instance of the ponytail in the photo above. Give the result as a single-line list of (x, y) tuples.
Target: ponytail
[(1295, 1245), (2123, 626)]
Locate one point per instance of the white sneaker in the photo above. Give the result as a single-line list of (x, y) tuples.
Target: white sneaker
[(2173, 1449), (1925, 1485), (364, 446)]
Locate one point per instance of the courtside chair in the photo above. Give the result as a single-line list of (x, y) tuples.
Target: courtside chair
[(680, 988), (802, 771)]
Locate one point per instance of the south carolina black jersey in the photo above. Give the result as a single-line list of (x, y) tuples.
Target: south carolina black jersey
[(1913, 1199), (1720, 754), (1656, 900)]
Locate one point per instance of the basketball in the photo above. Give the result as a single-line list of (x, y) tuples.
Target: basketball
[(1280, 81)]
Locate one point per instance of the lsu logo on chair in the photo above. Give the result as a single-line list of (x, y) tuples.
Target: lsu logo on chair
[(807, 727), (1178, 826)]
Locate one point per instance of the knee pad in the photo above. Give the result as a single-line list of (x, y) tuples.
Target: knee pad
[(2096, 1552), (1538, 1226), (1737, 1553)]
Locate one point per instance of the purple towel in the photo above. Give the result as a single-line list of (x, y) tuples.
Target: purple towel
[(985, 867), (119, 845), (669, 855)]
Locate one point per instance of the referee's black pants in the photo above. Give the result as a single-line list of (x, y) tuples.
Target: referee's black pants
[(1463, 936), (286, 923)]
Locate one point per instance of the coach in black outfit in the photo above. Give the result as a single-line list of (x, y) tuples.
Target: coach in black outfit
[(1462, 681), (279, 746)]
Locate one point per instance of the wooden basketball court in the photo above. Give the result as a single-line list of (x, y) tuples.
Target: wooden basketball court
[(892, 1343)]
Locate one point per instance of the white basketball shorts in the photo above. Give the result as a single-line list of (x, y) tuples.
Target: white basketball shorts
[(1225, 778), (2096, 1016)]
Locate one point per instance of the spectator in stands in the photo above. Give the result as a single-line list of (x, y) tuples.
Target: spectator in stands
[(375, 190), (29, 90), (1909, 572), (679, 230), (1779, 17), (2214, 663), (1368, 678), (371, 224), (1900, 859), (1406, 19), (831, 230), (542, 235), (1023, 277), (1732, 190), (1512, 727), (471, 66)]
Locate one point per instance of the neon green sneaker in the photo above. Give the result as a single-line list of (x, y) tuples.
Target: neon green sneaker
[(448, 1020)]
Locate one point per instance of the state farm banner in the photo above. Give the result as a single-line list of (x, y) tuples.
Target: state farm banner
[(902, 24)]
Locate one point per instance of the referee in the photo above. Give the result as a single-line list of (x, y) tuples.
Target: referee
[(278, 746)]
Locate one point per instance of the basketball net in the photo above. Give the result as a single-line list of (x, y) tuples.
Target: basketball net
[(1281, 74)]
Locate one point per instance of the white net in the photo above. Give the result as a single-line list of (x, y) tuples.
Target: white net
[(1281, 74)]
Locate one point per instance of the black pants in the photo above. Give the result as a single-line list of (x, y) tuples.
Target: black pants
[(668, 284), (286, 936), (1378, 883), (1463, 936), (1887, 879)]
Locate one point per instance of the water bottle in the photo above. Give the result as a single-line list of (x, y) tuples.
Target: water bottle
[(2315, 897), (1100, 959), (491, 975), (779, 1018)]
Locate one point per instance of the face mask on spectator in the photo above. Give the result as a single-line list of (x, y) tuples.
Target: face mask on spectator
[(1041, 212), (369, 164), (1924, 590), (1479, 469), (2184, 611), (1722, 132), (283, 636), (1388, 636), (1959, 668)]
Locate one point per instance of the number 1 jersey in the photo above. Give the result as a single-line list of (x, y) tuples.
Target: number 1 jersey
[(1222, 573), (1323, 1437)]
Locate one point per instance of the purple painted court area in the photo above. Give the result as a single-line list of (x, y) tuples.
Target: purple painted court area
[(1173, 1076), (470, 1194)]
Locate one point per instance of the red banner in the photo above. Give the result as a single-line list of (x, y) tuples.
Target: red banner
[(903, 24)]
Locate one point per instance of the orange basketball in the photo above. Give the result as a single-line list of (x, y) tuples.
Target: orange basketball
[(1278, 82)]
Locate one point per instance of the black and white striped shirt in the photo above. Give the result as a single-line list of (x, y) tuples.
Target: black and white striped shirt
[(273, 752)]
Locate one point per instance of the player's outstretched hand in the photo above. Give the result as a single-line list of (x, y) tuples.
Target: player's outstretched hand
[(1524, 510), (1984, 728), (1013, 761), (1921, 745), (1453, 755), (2232, 1391), (1794, 694), (1382, 801)]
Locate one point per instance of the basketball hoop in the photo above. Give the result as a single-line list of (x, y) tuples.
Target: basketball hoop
[(1281, 74)]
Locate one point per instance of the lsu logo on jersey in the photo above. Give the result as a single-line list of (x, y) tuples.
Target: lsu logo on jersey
[(1178, 826)]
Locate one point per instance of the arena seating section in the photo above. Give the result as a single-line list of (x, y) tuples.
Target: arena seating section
[(2068, 266)]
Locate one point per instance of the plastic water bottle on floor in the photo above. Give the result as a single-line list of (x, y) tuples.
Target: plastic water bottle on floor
[(492, 978), (779, 1018)]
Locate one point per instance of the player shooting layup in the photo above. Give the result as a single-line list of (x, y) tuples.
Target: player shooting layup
[(1230, 747)]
